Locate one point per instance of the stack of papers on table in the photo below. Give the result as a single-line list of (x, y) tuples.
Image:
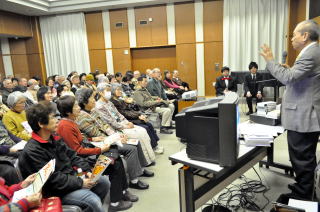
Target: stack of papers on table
[(258, 134), (308, 206)]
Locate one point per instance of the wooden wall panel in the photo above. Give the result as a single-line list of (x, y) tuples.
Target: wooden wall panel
[(159, 26), (213, 20), (34, 65), (121, 61), (297, 13), (20, 65), (34, 44), (186, 63), (15, 25), (2, 72), (98, 60), (184, 23), (17, 46), (143, 31), (95, 32), (161, 57), (35, 53), (119, 35), (19, 57), (213, 53)]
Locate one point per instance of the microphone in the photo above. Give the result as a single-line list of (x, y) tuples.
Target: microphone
[(284, 57)]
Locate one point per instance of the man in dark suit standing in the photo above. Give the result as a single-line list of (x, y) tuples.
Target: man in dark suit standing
[(252, 87), (225, 82), (300, 106)]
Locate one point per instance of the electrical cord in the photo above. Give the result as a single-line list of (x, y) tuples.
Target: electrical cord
[(243, 195)]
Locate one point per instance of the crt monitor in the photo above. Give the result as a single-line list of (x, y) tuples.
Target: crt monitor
[(210, 129)]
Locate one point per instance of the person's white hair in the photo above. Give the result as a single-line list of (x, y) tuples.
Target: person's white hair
[(13, 98), (103, 79), (102, 86), (31, 81)]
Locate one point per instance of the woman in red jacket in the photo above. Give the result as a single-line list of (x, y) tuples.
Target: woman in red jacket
[(25, 204)]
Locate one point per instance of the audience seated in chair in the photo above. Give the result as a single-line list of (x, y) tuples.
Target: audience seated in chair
[(171, 84), (132, 113), (144, 99), (109, 114), (225, 82), (64, 182), (252, 88), (70, 133), (94, 127), (176, 79), (45, 94), (6, 90), (15, 119)]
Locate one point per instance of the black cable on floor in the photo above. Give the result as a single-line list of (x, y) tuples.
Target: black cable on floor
[(243, 195)]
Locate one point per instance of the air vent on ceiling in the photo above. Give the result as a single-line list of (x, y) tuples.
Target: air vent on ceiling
[(143, 22), (119, 25)]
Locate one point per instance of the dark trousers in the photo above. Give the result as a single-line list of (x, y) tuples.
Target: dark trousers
[(151, 132), (118, 180), (302, 153), (9, 173), (249, 101)]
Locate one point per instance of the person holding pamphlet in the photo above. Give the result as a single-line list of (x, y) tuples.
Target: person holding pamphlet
[(24, 204), (120, 197), (63, 182), (15, 119)]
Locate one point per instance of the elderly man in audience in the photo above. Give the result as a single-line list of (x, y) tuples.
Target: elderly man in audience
[(133, 113), (95, 127), (144, 99), (109, 114), (64, 181), (6, 90), (15, 119), (22, 85), (136, 75), (176, 79), (70, 133)]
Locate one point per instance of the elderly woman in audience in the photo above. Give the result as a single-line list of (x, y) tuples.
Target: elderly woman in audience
[(8, 154), (109, 114), (45, 94), (15, 119), (63, 90), (90, 83), (132, 113), (68, 129), (92, 127), (50, 83), (170, 84), (64, 182)]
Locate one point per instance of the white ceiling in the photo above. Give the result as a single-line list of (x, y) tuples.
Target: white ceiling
[(49, 7)]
